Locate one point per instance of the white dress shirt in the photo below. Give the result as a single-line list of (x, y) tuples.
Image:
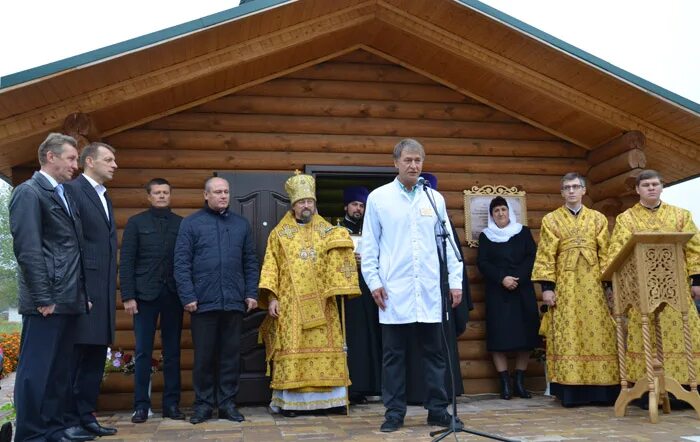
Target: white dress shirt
[(100, 189), (60, 191), (51, 179), (399, 253)]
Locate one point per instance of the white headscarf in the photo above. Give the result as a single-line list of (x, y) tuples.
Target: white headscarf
[(496, 234)]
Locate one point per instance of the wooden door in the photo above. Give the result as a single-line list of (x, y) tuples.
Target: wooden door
[(260, 198)]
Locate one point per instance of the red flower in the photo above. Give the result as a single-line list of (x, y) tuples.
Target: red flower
[(127, 358)]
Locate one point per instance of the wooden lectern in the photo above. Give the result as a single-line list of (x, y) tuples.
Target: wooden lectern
[(649, 274)]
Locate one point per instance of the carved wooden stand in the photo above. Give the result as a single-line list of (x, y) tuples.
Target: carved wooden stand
[(648, 275)]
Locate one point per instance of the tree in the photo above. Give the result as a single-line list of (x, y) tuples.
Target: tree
[(8, 265)]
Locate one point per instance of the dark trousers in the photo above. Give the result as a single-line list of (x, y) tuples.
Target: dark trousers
[(169, 308), (217, 343), (42, 384), (396, 338), (88, 370)]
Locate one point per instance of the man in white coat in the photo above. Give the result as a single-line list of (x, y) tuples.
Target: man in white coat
[(401, 267)]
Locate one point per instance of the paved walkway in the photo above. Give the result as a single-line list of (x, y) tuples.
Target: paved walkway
[(539, 419)]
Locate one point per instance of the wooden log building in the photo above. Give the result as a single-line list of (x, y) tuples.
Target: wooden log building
[(270, 86)]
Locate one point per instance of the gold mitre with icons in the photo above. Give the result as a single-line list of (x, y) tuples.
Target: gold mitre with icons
[(300, 186)]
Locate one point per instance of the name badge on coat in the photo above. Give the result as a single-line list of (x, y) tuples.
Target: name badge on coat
[(426, 211)]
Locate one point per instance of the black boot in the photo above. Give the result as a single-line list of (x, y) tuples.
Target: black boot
[(519, 386), (506, 392)]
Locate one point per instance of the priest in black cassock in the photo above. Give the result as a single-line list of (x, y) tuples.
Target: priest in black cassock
[(363, 334), (454, 327)]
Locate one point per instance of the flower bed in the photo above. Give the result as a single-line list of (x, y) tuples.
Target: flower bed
[(122, 362), (9, 345)]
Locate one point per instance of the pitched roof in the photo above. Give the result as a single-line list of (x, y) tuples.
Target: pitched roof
[(463, 44)]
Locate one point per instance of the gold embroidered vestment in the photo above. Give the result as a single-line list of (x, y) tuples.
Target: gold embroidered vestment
[(579, 330), (666, 218), (305, 267)]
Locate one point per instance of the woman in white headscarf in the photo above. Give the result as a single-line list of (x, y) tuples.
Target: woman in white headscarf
[(506, 256)]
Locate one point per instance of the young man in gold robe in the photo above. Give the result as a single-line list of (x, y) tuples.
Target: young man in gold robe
[(578, 327), (653, 215), (307, 263)]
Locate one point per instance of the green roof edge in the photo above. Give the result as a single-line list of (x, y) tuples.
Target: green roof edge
[(136, 43), (255, 6), (583, 55)]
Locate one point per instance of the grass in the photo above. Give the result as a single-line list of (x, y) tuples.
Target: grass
[(10, 327)]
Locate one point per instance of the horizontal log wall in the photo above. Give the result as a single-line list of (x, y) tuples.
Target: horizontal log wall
[(349, 111)]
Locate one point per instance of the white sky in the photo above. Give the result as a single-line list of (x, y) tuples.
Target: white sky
[(655, 40)]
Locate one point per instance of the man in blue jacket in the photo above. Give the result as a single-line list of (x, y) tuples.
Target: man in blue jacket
[(216, 271)]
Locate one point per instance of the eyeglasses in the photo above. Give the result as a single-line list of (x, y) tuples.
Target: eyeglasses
[(571, 187)]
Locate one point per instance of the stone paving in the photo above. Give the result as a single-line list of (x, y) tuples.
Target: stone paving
[(540, 419)]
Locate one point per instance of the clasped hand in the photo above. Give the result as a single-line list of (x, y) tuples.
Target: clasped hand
[(510, 282)]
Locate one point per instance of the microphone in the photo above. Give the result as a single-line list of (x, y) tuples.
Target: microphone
[(423, 182)]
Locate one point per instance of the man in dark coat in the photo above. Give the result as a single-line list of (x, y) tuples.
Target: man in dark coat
[(148, 292), (454, 327), (46, 234), (96, 330), (363, 334), (217, 274)]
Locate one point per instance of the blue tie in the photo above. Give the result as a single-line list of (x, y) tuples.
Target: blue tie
[(59, 190)]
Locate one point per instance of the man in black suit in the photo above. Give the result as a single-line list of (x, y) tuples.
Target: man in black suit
[(96, 330), (46, 235), (148, 291)]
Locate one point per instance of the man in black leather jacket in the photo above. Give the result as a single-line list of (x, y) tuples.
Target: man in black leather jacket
[(148, 291), (46, 232)]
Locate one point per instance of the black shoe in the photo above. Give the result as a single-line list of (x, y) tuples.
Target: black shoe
[(443, 419), (506, 391), (676, 404), (77, 433), (173, 412), (289, 413), (200, 416), (519, 385), (358, 399), (390, 425), (342, 410), (140, 416), (6, 432), (98, 430), (642, 402), (231, 413)]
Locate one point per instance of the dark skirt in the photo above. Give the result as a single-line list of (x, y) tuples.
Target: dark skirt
[(576, 395)]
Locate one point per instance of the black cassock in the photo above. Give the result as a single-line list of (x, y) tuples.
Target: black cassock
[(363, 337), (454, 327)]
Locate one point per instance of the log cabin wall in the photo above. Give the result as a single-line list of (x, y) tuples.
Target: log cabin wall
[(347, 111)]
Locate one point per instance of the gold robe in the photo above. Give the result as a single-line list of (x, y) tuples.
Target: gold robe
[(579, 330), (666, 218), (305, 266)]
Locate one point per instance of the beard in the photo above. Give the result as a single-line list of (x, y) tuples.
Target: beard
[(306, 216), (356, 216)]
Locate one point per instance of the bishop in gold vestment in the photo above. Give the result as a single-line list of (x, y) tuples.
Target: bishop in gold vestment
[(579, 329), (661, 218), (307, 263)]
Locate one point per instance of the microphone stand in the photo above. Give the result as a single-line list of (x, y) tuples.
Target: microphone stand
[(445, 237)]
